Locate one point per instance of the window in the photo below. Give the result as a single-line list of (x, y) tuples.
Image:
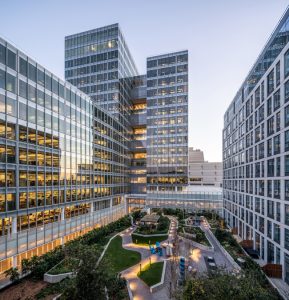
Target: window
[(276, 98), (22, 89), (2, 54), (287, 195), (23, 66), (270, 167), (269, 106), (40, 77), (2, 79), (40, 98), (286, 64), (286, 115), (32, 72), (11, 60), (287, 239), (31, 93), (286, 165), (10, 83), (22, 111), (47, 82), (11, 107), (277, 144), (270, 82), (277, 73), (286, 91), (286, 143), (40, 118), (277, 189), (2, 104), (31, 114)]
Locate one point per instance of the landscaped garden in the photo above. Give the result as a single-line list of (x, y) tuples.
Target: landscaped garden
[(147, 240), (151, 274), (250, 268), (161, 226), (117, 258), (80, 255), (197, 235), (68, 265)]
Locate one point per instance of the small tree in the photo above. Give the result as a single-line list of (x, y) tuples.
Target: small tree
[(13, 274)]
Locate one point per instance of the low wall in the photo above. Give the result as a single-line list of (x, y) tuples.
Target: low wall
[(190, 236), (224, 251), (57, 278), (159, 285), (148, 235)]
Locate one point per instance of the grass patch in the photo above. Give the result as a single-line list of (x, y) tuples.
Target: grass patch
[(146, 240), (152, 274), (118, 258), (68, 265)]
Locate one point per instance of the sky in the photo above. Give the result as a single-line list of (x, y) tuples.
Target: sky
[(223, 37)]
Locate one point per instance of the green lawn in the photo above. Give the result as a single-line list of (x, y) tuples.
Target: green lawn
[(152, 275), (144, 241), (118, 258)]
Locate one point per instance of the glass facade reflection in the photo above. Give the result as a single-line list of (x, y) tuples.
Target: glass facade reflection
[(62, 160), (80, 153), (167, 121)]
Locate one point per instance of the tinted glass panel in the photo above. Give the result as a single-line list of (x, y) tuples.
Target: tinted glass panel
[(11, 60), (2, 79), (2, 54), (22, 66), (10, 83)]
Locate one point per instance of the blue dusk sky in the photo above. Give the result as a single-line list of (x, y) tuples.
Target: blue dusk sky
[(223, 37)]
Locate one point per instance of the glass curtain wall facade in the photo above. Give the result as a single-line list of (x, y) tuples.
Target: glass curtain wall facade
[(255, 154), (61, 168), (167, 121), (99, 63)]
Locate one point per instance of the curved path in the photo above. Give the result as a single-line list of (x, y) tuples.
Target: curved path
[(140, 290)]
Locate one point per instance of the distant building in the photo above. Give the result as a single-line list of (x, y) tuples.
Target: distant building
[(202, 172)]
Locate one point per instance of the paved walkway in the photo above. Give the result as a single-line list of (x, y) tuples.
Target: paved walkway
[(139, 289), (221, 260)]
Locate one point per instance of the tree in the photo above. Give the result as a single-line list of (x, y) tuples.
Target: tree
[(13, 274), (226, 286), (90, 280)]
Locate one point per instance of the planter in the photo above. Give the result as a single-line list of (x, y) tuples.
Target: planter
[(158, 286)]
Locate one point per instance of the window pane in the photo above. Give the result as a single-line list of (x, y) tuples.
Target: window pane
[(10, 83), (31, 93), (40, 77), (11, 61), (2, 54), (32, 72), (2, 79), (31, 114), (40, 98), (47, 82), (2, 104), (11, 107), (23, 66), (23, 89), (22, 111)]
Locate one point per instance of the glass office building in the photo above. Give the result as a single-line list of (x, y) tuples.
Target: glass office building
[(256, 153), (167, 121), (62, 160), (81, 153)]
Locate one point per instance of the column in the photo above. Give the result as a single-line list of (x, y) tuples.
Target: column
[(14, 225), (62, 213), (14, 261)]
